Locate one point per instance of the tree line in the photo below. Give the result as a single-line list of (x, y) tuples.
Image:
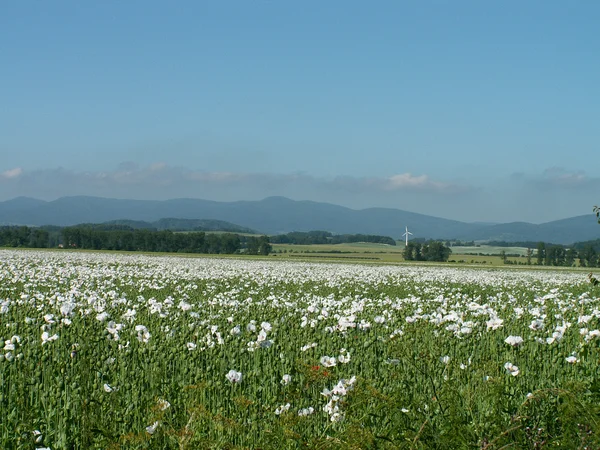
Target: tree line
[(325, 237), (257, 245), (558, 255), (143, 240), (426, 251), (124, 238), (25, 237)]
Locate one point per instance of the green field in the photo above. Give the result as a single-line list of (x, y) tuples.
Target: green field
[(391, 254), (354, 251), (489, 250)]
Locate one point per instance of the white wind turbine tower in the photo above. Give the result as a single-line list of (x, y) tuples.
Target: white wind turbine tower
[(406, 233)]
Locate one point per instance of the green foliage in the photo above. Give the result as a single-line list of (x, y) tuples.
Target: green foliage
[(149, 241), (541, 253), (324, 237), (24, 237), (173, 224), (588, 256), (430, 251), (258, 246)]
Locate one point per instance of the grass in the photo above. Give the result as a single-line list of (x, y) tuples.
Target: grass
[(489, 250), (393, 254)]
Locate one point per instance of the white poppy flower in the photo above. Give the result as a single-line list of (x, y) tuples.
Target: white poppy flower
[(150, 429), (511, 369), (515, 341), (328, 361), (234, 376)]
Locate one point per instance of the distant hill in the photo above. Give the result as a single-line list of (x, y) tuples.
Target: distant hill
[(13, 207), (276, 215), (565, 231), (183, 225)]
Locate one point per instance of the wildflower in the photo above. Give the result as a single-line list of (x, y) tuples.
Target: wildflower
[(328, 361), (282, 409), (184, 306), (47, 338), (344, 357), (150, 429), (364, 325), (571, 359), (337, 417), (262, 336), (511, 369), (286, 379), (308, 347), (113, 329), (129, 315), (306, 411), (38, 436), (108, 387), (66, 309), (234, 376), (163, 404), (592, 334), (102, 316), (191, 346), (445, 359), (143, 333), (536, 325), (515, 341), (494, 323), (49, 318)]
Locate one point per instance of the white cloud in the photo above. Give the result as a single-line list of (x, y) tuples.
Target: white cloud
[(11, 173), (561, 177), (556, 179), (161, 181), (406, 181)]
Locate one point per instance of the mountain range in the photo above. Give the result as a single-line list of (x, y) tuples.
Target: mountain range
[(276, 215)]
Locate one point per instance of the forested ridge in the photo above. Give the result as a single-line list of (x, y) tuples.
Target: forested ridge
[(325, 237), (122, 237)]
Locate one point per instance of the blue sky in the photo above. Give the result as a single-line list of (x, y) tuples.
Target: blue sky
[(471, 110)]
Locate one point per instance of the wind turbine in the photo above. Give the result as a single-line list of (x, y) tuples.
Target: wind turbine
[(406, 233)]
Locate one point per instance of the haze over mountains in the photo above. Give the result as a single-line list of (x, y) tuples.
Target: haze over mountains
[(275, 215)]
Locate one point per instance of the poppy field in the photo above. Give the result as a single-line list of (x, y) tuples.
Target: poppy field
[(118, 351)]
